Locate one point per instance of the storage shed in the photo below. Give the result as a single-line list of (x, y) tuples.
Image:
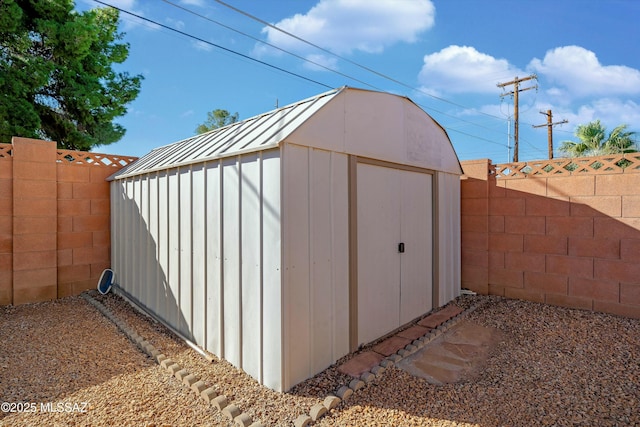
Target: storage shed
[(282, 242)]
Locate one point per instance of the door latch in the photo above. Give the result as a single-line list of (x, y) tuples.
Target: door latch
[(401, 247)]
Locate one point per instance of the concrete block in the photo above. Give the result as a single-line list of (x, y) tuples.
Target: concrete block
[(344, 392), (159, 358), (410, 348), (198, 387), (154, 353), (356, 384), (189, 380), (175, 368), (378, 370), (208, 394), (367, 377), (302, 421), (330, 402), (231, 412), (220, 402), (394, 358), (387, 362), (403, 352), (317, 411), (181, 374), (165, 362), (242, 420)]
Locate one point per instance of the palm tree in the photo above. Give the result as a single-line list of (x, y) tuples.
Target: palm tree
[(593, 141)]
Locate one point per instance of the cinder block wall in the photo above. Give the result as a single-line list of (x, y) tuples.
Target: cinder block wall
[(568, 239), (54, 220)]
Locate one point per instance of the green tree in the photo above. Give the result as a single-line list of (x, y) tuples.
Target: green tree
[(594, 141), (217, 119), (57, 79)]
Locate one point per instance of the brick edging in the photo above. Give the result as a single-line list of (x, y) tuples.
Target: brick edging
[(347, 390), (202, 390)]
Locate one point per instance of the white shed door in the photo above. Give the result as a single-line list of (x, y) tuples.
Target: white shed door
[(393, 207)]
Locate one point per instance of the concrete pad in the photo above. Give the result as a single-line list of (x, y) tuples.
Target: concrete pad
[(435, 319), (391, 345), (361, 363), (459, 354), (413, 332)]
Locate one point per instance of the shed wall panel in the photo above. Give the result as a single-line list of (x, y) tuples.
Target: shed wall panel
[(232, 305), (272, 308), (339, 255), (199, 254), (214, 225), (154, 283), (166, 300), (173, 205), (316, 260), (251, 288), (448, 237), (320, 285), (185, 249), (296, 267), (130, 219)]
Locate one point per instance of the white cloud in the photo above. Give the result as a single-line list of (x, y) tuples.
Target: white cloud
[(322, 61), (343, 26), (581, 73), (462, 69), (175, 23), (193, 2), (611, 112), (123, 4), (200, 45)]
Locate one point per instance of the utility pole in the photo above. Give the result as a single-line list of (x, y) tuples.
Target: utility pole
[(550, 126), (516, 89)]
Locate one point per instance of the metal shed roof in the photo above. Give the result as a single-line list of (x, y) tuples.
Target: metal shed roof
[(256, 133), (268, 130)]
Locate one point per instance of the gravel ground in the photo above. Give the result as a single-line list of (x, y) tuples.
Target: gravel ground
[(553, 367)]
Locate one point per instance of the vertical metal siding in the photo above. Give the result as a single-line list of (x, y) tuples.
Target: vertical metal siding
[(200, 246), (165, 298), (272, 309), (199, 254), (214, 308), (173, 249), (251, 255), (316, 263), (185, 232), (449, 236), (231, 232)]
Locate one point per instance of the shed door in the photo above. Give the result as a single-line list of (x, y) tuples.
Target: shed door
[(393, 207)]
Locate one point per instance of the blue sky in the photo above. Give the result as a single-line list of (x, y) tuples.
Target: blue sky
[(446, 55)]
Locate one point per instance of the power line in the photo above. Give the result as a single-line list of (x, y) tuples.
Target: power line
[(183, 33), (364, 67), (317, 64), (215, 45)]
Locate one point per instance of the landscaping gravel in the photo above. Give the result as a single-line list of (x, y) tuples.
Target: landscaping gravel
[(553, 367)]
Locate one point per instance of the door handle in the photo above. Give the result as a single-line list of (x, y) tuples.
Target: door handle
[(401, 247)]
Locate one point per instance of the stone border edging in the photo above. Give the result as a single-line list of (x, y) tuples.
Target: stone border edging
[(345, 391), (202, 390)]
